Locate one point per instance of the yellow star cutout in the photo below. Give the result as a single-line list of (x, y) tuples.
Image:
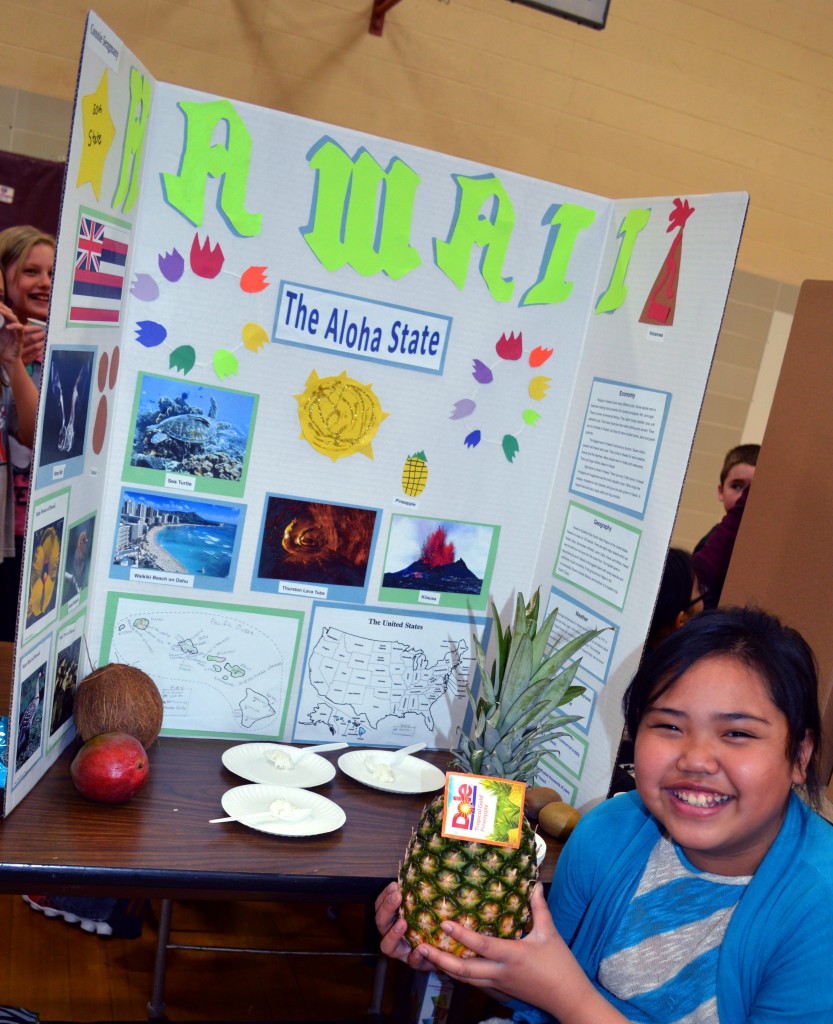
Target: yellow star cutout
[(99, 133)]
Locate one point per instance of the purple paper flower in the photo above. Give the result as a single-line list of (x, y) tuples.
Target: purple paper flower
[(481, 373), (171, 265), (465, 407), (144, 288)]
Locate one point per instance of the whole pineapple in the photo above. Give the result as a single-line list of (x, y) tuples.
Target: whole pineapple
[(479, 885)]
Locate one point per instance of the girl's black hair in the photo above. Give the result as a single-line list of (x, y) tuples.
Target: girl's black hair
[(778, 654), (674, 593)]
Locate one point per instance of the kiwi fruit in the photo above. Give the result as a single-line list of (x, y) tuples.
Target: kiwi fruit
[(538, 797), (558, 819)]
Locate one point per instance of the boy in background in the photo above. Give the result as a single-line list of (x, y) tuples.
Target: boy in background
[(735, 477)]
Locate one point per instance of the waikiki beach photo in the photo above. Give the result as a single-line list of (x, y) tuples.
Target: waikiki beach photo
[(176, 535)]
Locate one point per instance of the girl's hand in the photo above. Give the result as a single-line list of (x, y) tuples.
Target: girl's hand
[(392, 929), (539, 969), (11, 339), (520, 968), (34, 343)]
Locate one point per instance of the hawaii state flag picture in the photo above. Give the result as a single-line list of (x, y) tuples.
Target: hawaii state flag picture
[(98, 276)]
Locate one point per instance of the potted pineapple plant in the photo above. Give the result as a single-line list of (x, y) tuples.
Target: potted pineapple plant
[(486, 886)]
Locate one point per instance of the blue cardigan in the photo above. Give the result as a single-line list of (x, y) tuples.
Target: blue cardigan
[(776, 960)]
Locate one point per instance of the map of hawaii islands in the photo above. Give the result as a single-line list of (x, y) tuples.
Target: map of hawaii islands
[(366, 684), (221, 671)]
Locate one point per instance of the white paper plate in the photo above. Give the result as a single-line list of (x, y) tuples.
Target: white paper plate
[(411, 775), (250, 806), (540, 848), (251, 761)]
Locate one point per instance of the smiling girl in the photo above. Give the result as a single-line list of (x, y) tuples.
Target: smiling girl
[(26, 258), (18, 409), (706, 895)]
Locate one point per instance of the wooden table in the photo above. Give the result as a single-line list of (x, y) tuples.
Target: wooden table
[(160, 844)]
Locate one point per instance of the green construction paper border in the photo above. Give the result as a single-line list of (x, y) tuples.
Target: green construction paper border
[(110, 613), (578, 586), (397, 595), (143, 477)]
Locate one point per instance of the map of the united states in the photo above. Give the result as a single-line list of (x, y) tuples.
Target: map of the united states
[(363, 680)]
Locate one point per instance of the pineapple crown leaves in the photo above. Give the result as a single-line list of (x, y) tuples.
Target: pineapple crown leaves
[(520, 693), (521, 677), (506, 754)]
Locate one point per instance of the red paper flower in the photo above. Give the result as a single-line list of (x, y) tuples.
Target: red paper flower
[(511, 347), (205, 261)]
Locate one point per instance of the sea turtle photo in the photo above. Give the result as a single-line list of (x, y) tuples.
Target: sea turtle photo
[(175, 434), (190, 427)]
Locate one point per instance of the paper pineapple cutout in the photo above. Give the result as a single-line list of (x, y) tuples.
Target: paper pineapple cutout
[(415, 474)]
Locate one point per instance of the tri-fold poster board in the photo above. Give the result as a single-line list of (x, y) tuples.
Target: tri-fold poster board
[(314, 398)]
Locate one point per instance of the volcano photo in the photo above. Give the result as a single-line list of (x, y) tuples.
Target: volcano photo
[(440, 565)]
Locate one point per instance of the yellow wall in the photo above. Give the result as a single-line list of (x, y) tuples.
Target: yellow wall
[(672, 97)]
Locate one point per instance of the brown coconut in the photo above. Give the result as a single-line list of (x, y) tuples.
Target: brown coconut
[(118, 698)]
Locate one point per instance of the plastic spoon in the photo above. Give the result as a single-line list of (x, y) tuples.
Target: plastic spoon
[(280, 756), (298, 814), (381, 765), (403, 754), (245, 818), (400, 755)]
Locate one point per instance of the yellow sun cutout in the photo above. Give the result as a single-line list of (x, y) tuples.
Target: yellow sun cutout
[(339, 416)]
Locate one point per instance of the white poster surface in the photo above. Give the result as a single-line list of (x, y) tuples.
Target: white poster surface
[(334, 394)]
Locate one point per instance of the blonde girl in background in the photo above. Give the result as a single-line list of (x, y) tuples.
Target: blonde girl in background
[(27, 255), (26, 259), (18, 410)]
